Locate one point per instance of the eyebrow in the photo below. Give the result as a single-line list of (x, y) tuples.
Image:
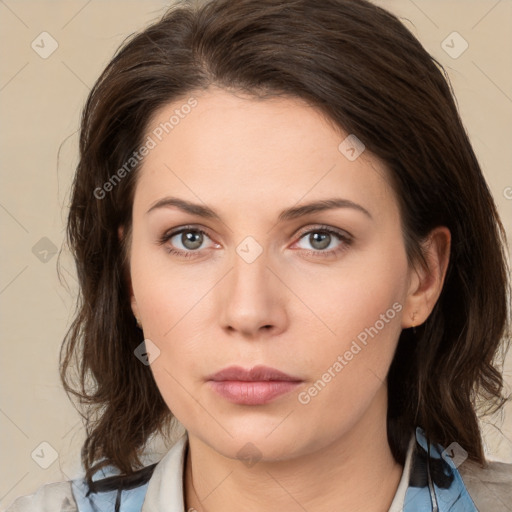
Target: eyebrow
[(286, 215)]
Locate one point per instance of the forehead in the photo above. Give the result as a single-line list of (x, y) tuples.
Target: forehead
[(231, 149)]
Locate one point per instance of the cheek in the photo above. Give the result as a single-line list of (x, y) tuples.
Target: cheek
[(348, 369), (366, 293), (361, 323), (166, 292)]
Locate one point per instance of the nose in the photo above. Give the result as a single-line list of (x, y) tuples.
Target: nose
[(252, 299)]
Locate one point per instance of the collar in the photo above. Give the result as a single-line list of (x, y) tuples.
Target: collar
[(430, 482)]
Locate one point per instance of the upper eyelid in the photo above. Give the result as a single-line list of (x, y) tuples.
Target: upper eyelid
[(321, 227)]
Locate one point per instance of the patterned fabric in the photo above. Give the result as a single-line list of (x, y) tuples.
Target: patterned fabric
[(435, 484), (111, 492)]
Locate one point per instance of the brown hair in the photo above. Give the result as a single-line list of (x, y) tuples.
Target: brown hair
[(370, 76)]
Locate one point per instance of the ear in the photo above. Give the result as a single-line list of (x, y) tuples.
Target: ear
[(426, 284), (133, 302)]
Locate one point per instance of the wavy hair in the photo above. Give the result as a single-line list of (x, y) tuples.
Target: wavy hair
[(361, 67)]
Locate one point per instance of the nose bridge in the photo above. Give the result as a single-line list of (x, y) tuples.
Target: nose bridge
[(250, 273), (252, 298), (250, 279)]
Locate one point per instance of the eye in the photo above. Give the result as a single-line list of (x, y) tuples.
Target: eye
[(185, 241), (322, 238)]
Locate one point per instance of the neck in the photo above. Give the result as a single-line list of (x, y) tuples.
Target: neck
[(355, 472)]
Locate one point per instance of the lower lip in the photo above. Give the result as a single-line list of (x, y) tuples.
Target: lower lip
[(252, 393)]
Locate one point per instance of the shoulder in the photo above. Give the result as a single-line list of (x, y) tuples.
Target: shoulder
[(108, 488), (48, 498), (105, 494), (490, 486)]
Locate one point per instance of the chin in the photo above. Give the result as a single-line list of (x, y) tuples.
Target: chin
[(254, 441)]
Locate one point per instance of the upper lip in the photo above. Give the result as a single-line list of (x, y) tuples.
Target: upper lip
[(257, 373)]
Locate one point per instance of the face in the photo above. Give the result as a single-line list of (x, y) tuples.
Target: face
[(317, 294)]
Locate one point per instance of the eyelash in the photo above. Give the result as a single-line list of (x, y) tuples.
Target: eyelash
[(345, 238)]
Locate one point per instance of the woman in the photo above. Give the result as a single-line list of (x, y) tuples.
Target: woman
[(284, 241)]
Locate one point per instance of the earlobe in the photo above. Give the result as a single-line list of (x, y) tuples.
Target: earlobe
[(135, 311), (427, 282), (134, 306)]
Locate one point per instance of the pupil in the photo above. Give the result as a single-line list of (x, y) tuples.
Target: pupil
[(324, 240), (188, 239)]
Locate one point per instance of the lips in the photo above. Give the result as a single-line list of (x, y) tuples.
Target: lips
[(258, 373), (256, 386)]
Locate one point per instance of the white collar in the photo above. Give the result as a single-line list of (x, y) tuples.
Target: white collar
[(165, 488), (398, 501)]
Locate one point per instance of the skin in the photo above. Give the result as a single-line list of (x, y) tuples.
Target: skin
[(249, 159)]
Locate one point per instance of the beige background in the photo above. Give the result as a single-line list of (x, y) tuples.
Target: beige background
[(40, 103)]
